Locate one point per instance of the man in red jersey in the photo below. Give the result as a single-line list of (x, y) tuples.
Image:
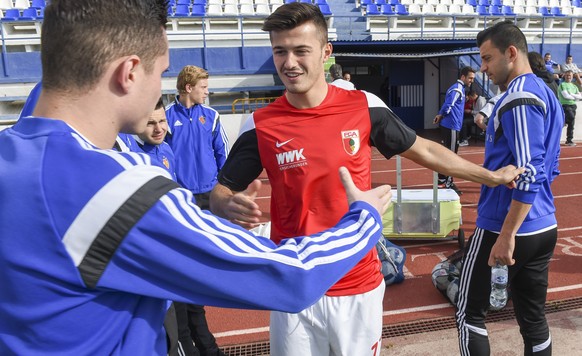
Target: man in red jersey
[(302, 138)]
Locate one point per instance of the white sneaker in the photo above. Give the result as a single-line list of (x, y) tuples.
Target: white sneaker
[(464, 143)]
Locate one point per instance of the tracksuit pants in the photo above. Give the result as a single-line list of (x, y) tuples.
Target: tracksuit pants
[(528, 283)]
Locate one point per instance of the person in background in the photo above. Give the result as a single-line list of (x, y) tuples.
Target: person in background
[(539, 68), (195, 134), (335, 71), (94, 242), (472, 106), (517, 227), (347, 76), (200, 147), (482, 117), (552, 66), (450, 119), (571, 66), (311, 130), (568, 93)]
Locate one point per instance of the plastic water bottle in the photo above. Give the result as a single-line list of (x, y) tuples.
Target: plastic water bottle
[(498, 297)]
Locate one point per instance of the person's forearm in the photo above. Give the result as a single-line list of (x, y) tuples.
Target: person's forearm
[(517, 213), (438, 158), (219, 197)]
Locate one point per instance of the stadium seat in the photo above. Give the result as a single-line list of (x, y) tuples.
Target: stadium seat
[(555, 10), (28, 14), (433, 2), (482, 10), (393, 2), (472, 2), (198, 10), (496, 2), (365, 3), (543, 10), (38, 4), (414, 9), (576, 3), (567, 11), (426, 9), (468, 9), (543, 3), (199, 2), (507, 11), (495, 10), (532, 11), (400, 9), (263, 10), (372, 9), (306, 1), (319, 2), (380, 2), (519, 10), (11, 15), (181, 11), (247, 10), (442, 9), (6, 5), (459, 2), (325, 10), (577, 11), (230, 10), (484, 2), (554, 3), (519, 3), (21, 4), (387, 10)]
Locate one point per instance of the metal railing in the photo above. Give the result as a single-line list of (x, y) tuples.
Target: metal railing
[(248, 105)]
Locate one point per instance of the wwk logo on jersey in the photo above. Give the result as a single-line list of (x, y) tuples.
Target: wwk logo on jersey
[(351, 141), (291, 159)]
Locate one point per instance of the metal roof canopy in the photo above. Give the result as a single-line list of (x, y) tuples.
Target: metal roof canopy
[(420, 48)]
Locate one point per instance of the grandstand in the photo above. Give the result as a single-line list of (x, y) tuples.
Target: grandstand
[(401, 50)]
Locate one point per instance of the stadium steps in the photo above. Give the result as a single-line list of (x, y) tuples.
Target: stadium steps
[(347, 29)]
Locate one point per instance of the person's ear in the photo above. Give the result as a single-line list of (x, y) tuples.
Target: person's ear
[(127, 72), (512, 53), (327, 50)]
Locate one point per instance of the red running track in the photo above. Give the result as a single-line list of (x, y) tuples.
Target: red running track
[(416, 298)]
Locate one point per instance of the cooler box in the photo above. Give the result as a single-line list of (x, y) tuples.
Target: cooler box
[(423, 213)]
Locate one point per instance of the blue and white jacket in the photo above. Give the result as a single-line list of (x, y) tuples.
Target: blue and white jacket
[(93, 243), (524, 130), (199, 143), (454, 106), (162, 155)]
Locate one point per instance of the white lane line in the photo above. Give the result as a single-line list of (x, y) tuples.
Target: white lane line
[(387, 313)]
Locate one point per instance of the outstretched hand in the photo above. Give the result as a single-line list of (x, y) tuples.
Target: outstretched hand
[(242, 209), (378, 197), (508, 175)]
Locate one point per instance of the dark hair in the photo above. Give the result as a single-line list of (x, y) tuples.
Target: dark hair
[(569, 56), (466, 70), (80, 38), (335, 70), (160, 103), (294, 14), (502, 35), (536, 62), (547, 54)]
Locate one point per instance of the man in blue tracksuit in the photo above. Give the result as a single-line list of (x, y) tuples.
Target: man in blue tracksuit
[(515, 227), (200, 148), (450, 118), (94, 242), (196, 136)]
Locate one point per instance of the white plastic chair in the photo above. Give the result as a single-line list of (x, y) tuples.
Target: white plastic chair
[(21, 4), (6, 5), (230, 10), (263, 10), (247, 10)]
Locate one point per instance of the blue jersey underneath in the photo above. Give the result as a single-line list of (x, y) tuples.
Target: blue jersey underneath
[(199, 143), (94, 242), (454, 106), (524, 130), (162, 155)]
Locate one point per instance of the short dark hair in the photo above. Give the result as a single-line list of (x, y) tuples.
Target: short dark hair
[(466, 70), (536, 62), (294, 14), (160, 103), (569, 56), (502, 35), (81, 37)]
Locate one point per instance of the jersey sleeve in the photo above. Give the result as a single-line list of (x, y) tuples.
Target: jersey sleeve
[(220, 144), (453, 94), (389, 134), (522, 116), (243, 163), (143, 235)]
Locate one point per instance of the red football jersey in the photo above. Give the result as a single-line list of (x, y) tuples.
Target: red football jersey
[(302, 150)]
